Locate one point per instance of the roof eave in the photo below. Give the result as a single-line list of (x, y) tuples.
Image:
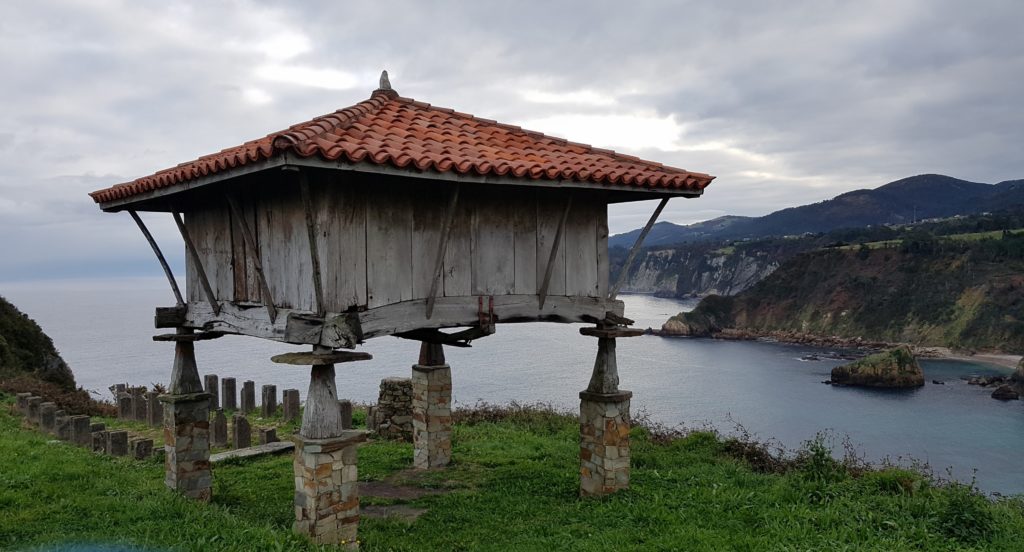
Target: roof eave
[(627, 192)]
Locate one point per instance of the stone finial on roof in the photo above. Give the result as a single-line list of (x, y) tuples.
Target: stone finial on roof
[(385, 87)]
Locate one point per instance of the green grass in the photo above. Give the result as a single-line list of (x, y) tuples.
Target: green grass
[(512, 486), (967, 237)]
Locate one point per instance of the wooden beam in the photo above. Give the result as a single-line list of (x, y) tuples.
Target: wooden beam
[(442, 248), (195, 259), (250, 243), (159, 256), (307, 203), (624, 272), (543, 294), (449, 312)]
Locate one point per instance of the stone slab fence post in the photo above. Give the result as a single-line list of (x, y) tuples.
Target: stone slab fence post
[(211, 386), (33, 409), (154, 410), (269, 405), (117, 443), (268, 435), (248, 397), (81, 430), (124, 407), (22, 404), (219, 429), (139, 404), (47, 417), (345, 409), (291, 404), (228, 394), (241, 432)]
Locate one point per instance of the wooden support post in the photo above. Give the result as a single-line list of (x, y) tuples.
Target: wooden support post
[(442, 247), (185, 374), (250, 243), (624, 272), (199, 264), (554, 252), (307, 203), (159, 256)]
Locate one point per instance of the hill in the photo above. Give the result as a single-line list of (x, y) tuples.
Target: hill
[(903, 201), (26, 350), (962, 291)]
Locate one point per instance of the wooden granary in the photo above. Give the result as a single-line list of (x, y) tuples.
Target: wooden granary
[(394, 217)]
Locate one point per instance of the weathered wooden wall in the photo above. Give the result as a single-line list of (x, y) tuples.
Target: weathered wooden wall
[(377, 239)]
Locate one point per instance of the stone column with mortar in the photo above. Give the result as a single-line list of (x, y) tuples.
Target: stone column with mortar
[(604, 420), (187, 423), (228, 394), (431, 408), (326, 476)]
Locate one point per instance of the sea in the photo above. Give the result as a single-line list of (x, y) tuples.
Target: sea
[(104, 329)]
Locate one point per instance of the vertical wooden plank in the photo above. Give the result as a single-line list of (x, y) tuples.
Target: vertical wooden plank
[(602, 249), (389, 245), (493, 261), (284, 249), (428, 216), (581, 249), (458, 272), (210, 230), (239, 262), (525, 217), (342, 219), (549, 212)]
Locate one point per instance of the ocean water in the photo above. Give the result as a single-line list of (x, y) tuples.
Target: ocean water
[(104, 329)]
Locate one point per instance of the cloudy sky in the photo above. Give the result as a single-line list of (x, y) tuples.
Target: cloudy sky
[(786, 102)]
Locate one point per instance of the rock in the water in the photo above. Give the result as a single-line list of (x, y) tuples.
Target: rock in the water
[(895, 368), (1005, 393)]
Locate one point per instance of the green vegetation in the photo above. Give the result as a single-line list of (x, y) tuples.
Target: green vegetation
[(26, 350), (513, 486)]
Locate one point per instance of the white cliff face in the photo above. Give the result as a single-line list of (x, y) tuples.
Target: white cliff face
[(684, 273)]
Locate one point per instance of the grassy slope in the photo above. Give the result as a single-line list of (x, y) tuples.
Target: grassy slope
[(514, 488)]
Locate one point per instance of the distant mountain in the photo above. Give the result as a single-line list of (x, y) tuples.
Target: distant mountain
[(903, 201)]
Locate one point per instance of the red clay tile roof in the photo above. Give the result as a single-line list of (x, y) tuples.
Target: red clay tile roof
[(403, 133)]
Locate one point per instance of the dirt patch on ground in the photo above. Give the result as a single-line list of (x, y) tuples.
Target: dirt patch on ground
[(402, 512)]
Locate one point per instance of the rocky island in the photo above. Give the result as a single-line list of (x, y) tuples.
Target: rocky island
[(894, 368)]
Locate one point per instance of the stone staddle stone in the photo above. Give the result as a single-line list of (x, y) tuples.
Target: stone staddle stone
[(604, 442), (327, 488)]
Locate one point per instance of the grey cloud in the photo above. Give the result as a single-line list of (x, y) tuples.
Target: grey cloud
[(814, 98)]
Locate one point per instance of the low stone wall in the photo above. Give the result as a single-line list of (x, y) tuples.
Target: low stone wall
[(392, 417)]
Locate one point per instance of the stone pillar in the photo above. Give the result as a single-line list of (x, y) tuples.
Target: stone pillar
[(81, 430), (211, 387), (604, 421), (431, 409), (47, 416), (291, 404), (33, 409), (345, 411), (241, 432), (187, 425), (268, 407), (228, 394), (219, 429), (97, 426), (326, 485), (248, 397), (327, 488), (154, 410)]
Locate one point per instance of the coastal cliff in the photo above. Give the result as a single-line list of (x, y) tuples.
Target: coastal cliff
[(26, 350), (963, 294), (702, 269)]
